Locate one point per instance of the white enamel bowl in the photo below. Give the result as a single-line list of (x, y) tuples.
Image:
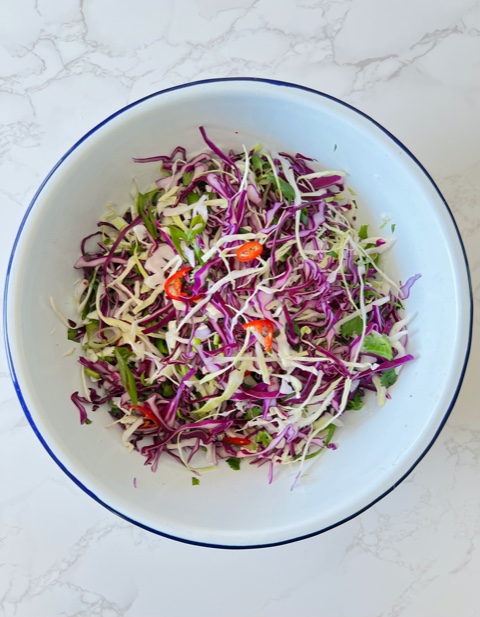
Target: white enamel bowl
[(377, 447)]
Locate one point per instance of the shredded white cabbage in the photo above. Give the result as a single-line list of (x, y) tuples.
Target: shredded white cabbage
[(237, 332)]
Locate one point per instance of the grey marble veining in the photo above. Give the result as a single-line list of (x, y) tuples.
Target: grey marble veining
[(411, 64)]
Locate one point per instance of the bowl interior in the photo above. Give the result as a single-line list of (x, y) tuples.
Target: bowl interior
[(376, 447)]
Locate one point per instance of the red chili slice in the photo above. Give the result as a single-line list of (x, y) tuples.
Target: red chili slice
[(249, 251), (260, 325), (175, 282), (237, 441), (146, 412)]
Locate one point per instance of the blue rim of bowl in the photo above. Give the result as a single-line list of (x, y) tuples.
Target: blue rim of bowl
[(9, 354)]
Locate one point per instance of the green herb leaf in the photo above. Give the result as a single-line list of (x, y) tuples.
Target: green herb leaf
[(264, 438), (153, 196), (393, 227), (363, 233), (92, 327), (334, 147), (370, 293), (142, 204), (125, 353), (254, 412), (72, 334), (234, 463), (197, 225), (256, 162), (388, 378), (162, 346), (192, 198), (287, 190), (198, 253), (304, 216), (176, 235), (114, 410), (332, 253), (378, 345), (88, 421), (182, 369), (355, 402), (187, 178), (167, 390), (284, 188), (126, 376), (351, 327), (195, 481)]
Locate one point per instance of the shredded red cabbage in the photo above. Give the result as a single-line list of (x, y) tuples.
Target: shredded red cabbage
[(234, 311)]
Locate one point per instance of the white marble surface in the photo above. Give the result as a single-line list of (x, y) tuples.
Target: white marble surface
[(412, 64)]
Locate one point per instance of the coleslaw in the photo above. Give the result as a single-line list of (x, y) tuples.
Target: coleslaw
[(235, 311)]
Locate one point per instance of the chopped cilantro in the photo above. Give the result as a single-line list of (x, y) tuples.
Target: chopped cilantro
[(254, 412), (351, 327), (124, 352), (363, 233), (378, 345), (192, 198), (162, 346), (187, 178), (287, 190), (355, 402), (72, 334), (176, 234), (264, 438), (256, 162), (167, 390), (195, 481), (234, 463), (388, 378), (197, 225), (92, 327), (114, 410), (393, 227), (296, 329), (283, 187)]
